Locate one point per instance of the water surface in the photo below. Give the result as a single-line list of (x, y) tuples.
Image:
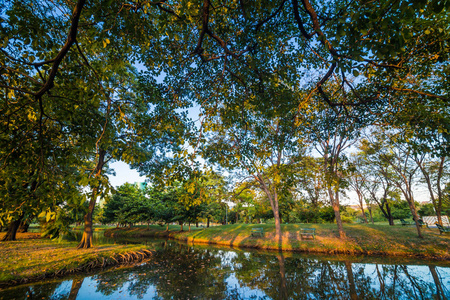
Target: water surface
[(181, 271)]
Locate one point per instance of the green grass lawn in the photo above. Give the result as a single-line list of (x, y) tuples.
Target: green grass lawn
[(96, 227), (31, 258), (361, 238)]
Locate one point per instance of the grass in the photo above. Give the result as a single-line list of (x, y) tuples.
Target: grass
[(95, 227), (148, 231), (361, 238), (31, 258)]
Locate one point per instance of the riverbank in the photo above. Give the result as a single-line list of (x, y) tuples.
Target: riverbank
[(31, 258), (361, 238)]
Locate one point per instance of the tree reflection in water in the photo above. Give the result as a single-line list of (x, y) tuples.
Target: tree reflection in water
[(180, 271)]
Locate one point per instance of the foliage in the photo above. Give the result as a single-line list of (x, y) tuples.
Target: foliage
[(72, 99), (384, 240), (31, 258), (400, 210), (426, 210), (127, 206), (56, 224)]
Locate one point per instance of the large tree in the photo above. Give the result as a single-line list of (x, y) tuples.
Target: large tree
[(57, 57), (333, 131), (260, 146), (395, 161), (70, 95)]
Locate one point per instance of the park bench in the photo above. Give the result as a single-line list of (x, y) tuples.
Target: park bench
[(308, 232), (423, 224), (257, 232), (404, 223), (442, 229)]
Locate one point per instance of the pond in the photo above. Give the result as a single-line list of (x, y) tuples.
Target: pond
[(182, 271)]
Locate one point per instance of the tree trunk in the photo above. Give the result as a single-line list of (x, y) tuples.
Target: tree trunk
[(334, 199), (276, 216), (440, 294), (167, 228), (412, 208), (12, 230), (370, 214), (386, 212), (437, 204), (181, 225), (207, 222), (364, 214), (76, 285), (283, 282), (390, 218), (273, 199), (86, 240), (351, 281), (189, 226), (23, 227), (361, 205)]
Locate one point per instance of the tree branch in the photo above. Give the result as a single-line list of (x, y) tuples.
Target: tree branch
[(62, 53), (262, 22)]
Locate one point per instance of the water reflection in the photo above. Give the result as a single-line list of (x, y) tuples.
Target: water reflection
[(180, 271)]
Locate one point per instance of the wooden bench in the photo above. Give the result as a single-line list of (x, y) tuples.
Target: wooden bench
[(422, 223), (257, 232), (442, 229), (308, 232), (404, 223)]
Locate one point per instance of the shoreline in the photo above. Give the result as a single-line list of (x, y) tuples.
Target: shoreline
[(46, 259), (361, 239), (32, 259)]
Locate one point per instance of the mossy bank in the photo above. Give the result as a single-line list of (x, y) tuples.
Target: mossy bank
[(361, 238), (30, 258)]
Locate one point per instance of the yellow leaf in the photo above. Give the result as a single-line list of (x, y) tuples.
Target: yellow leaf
[(11, 94)]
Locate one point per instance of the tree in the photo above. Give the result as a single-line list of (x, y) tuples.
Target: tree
[(244, 196), (333, 131), (357, 182), (165, 205), (86, 94), (262, 145), (395, 163), (126, 206), (382, 184), (434, 171), (310, 180), (382, 54), (63, 78)]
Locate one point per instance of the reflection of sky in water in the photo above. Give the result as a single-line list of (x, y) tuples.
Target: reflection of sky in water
[(89, 290), (233, 284), (244, 275), (418, 273)]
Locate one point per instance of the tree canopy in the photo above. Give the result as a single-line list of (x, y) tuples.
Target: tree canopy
[(83, 83)]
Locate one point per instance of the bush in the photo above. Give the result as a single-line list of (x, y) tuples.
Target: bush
[(427, 210)]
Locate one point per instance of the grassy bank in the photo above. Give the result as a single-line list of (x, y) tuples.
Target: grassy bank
[(361, 238), (31, 258)]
